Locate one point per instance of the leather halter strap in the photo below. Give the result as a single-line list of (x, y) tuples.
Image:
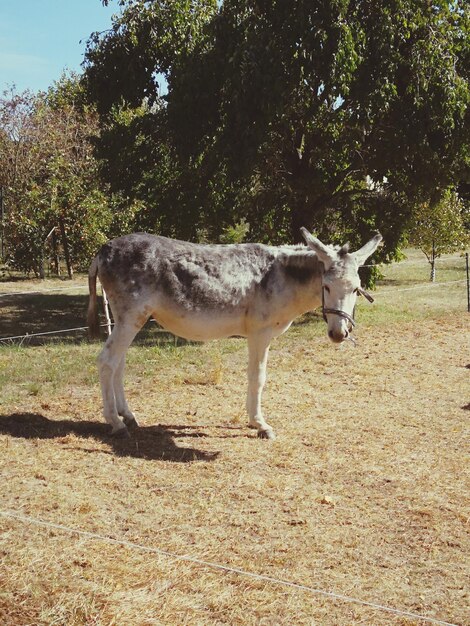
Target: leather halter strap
[(363, 292), (339, 312)]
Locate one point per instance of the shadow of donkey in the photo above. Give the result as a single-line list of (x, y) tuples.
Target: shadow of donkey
[(147, 442)]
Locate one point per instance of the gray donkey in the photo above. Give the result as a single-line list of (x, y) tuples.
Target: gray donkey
[(203, 292)]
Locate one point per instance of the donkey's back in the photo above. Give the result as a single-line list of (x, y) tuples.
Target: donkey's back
[(193, 290)]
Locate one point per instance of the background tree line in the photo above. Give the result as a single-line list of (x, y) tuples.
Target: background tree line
[(246, 119)]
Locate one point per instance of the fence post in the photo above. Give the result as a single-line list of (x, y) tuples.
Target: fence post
[(468, 282), (106, 312)]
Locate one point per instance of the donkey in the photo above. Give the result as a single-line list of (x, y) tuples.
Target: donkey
[(201, 292)]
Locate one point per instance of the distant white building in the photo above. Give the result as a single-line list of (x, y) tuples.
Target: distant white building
[(375, 186)]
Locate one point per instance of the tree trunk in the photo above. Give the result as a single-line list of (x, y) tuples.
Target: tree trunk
[(41, 270), (299, 218), (55, 254), (305, 212), (65, 245), (301, 211), (433, 263)]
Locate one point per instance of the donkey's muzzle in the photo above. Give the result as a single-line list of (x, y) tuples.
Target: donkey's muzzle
[(338, 336)]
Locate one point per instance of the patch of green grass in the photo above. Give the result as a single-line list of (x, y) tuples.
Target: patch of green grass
[(43, 369), (415, 269), (33, 388), (406, 292)]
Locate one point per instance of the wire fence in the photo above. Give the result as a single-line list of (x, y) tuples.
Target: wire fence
[(83, 291), (226, 569)]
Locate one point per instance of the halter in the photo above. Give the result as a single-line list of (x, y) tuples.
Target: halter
[(339, 312)]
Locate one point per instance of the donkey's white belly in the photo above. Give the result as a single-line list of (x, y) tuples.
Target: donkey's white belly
[(204, 326), (201, 326)]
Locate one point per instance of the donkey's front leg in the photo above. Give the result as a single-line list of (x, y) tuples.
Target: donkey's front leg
[(258, 348)]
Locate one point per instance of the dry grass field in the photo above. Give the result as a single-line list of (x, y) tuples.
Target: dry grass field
[(364, 493)]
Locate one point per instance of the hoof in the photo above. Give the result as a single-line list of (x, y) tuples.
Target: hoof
[(130, 422), (267, 433), (121, 433)]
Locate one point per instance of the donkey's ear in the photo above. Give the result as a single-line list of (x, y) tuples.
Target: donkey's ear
[(324, 253), (366, 251)]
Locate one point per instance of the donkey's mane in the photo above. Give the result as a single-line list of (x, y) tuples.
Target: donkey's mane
[(305, 253)]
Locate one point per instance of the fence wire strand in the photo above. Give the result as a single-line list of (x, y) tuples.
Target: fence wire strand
[(222, 568)]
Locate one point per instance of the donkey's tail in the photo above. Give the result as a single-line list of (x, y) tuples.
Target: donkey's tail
[(92, 317)]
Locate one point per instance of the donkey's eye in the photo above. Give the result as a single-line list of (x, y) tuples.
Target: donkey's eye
[(327, 289)]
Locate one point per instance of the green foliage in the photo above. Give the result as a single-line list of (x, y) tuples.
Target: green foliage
[(277, 116), (68, 91), (147, 39), (440, 228), (236, 233), (55, 202)]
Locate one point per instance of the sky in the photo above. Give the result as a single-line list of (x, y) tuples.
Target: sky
[(41, 38)]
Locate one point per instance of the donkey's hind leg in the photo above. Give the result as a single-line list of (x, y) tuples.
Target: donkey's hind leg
[(122, 407), (109, 362)]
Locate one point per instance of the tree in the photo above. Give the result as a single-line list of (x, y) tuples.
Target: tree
[(276, 112), (439, 228), (53, 195), (18, 165)]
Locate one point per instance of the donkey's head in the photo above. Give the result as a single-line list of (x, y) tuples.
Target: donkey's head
[(340, 282)]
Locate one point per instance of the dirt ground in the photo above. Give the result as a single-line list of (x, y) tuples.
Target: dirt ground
[(364, 493)]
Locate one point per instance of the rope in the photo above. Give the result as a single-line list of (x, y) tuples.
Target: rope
[(224, 568), (65, 330), (49, 332)]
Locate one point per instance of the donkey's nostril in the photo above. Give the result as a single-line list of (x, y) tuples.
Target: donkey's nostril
[(336, 337)]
